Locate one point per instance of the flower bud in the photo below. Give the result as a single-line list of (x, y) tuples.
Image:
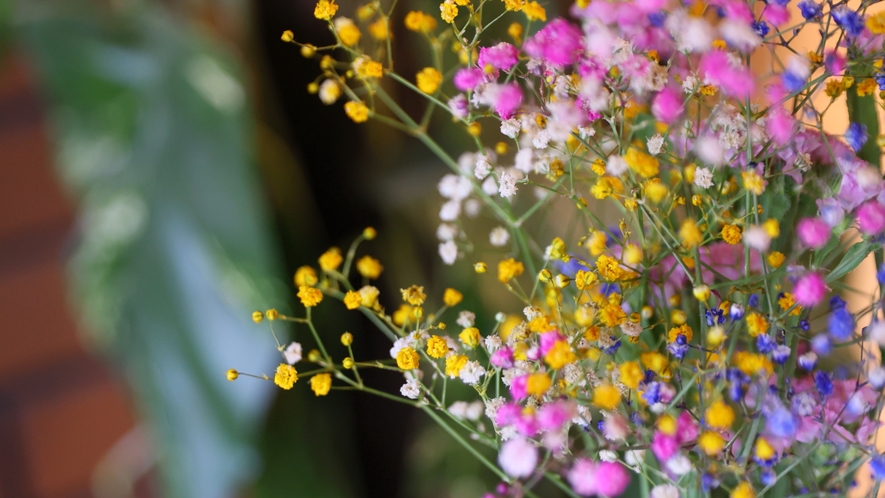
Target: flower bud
[(257, 316), (232, 375), (271, 314), (347, 338), (347, 363), (369, 233), (480, 267), (701, 293)]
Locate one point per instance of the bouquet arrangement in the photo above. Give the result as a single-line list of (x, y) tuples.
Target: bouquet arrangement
[(683, 329)]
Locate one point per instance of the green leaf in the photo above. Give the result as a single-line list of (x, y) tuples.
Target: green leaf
[(853, 257)]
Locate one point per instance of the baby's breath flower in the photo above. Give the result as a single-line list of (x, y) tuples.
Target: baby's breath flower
[(325, 9), (428, 80), (286, 376), (407, 358), (320, 384), (347, 31), (309, 296), (356, 111), (292, 353), (420, 22), (452, 297)]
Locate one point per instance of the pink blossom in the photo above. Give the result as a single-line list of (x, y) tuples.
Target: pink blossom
[(552, 416), (686, 428), (734, 79), (557, 44), (509, 98), (776, 14), (518, 458), (518, 387), (501, 56), (834, 62), (582, 477), (871, 218), (813, 232), (613, 479), (810, 289), (467, 79), (549, 339), (781, 126), (663, 446), (503, 358), (667, 105)]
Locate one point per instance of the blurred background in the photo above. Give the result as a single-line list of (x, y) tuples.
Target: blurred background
[(163, 172)]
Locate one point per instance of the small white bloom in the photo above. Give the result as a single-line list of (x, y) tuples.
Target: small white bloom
[(510, 127), (499, 236), (471, 372), (482, 168), (518, 458), (489, 186), (689, 83), (631, 329), (507, 185), (492, 343), (608, 456), (523, 160), (655, 144), (448, 251), (329, 92), (474, 411), (398, 345), (634, 458), (446, 232), (293, 353), (541, 140), (531, 312), (664, 491), (876, 331), (616, 165), (877, 378), (679, 464), (450, 211), (703, 178), (411, 389), (709, 150), (757, 238), (465, 319), (472, 207), (492, 406), (458, 409)]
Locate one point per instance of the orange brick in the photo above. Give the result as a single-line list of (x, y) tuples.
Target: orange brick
[(37, 329), (65, 436)]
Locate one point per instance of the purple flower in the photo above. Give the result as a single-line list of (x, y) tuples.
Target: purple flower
[(809, 9), (782, 423), (557, 44), (841, 324), (823, 383), (856, 136), (848, 20), (502, 56)]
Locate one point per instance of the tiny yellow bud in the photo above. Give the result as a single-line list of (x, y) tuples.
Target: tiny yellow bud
[(474, 129), (347, 363), (545, 275), (347, 338), (313, 356), (257, 316), (647, 312), (308, 51), (480, 267), (369, 233), (701, 292), (715, 336), (232, 375), (271, 314), (562, 281), (678, 317), (313, 88), (287, 36), (501, 148), (418, 311)]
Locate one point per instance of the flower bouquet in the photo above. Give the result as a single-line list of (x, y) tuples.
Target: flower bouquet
[(674, 215)]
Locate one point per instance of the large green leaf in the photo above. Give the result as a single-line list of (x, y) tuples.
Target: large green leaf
[(175, 249)]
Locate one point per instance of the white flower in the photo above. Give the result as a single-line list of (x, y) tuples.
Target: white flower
[(507, 185), (489, 186), (507, 433), (664, 491), (586, 132), (411, 389), (465, 319), (616, 165), (482, 168), (448, 251), (631, 329), (739, 34), (329, 92), (523, 161), (709, 150), (877, 331), (531, 312), (518, 458), (877, 378), (492, 406), (541, 140), (574, 375), (757, 238), (679, 464), (655, 144), (634, 458), (450, 211), (398, 345), (608, 456), (446, 232), (689, 83), (492, 343), (472, 207), (703, 178), (499, 236), (458, 409), (471, 372), (474, 411), (293, 353), (454, 187), (510, 127)]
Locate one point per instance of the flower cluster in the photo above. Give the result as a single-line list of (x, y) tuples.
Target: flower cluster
[(683, 336)]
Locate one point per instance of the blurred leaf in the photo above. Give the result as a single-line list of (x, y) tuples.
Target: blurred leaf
[(853, 257), (153, 135)]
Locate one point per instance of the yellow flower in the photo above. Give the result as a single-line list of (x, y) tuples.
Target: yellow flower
[(379, 29), (612, 315), (356, 111), (632, 254), (286, 376), (402, 315), (788, 300), (876, 23), (514, 5), (753, 182), (752, 364), (584, 279), (596, 243), (369, 267), (428, 80), (609, 268), (654, 361), (833, 88), (642, 163), (631, 374), (325, 9), (866, 87), (407, 359), (776, 259), (305, 276), (537, 384), (756, 324), (287, 36), (470, 337), (437, 347), (515, 30), (331, 259), (232, 375), (509, 269), (320, 384), (763, 449), (451, 297), (454, 364), (257, 316), (772, 227), (743, 490), (352, 300), (369, 296), (607, 396), (683, 329), (448, 11), (309, 296), (414, 295), (560, 355), (711, 442), (420, 22), (667, 424), (534, 12), (367, 68), (719, 416), (690, 234), (731, 234), (347, 31)]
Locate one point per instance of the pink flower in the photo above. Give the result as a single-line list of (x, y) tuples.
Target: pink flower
[(549, 339), (686, 428), (552, 416), (613, 479), (557, 44), (667, 105), (508, 100), (871, 218), (776, 14), (663, 446), (834, 62), (518, 458), (518, 387), (467, 79), (502, 56), (503, 358), (810, 289), (582, 477), (781, 127), (813, 232), (733, 78)]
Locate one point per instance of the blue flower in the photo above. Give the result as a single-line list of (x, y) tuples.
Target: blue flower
[(753, 301), (736, 311), (608, 289), (767, 477), (821, 345), (793, 82), (714, 316), (841, 324), (810, 10), (709, 481), (765, 343), (880, 80), (652, 393), (848, 20), (808, 361), (678, 350), (836, 302), (880, 275), (782, 423), (781, 354), (856, 136), (823, 383), (611, 350), (877, 465), (761, 28), (657, 18)]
